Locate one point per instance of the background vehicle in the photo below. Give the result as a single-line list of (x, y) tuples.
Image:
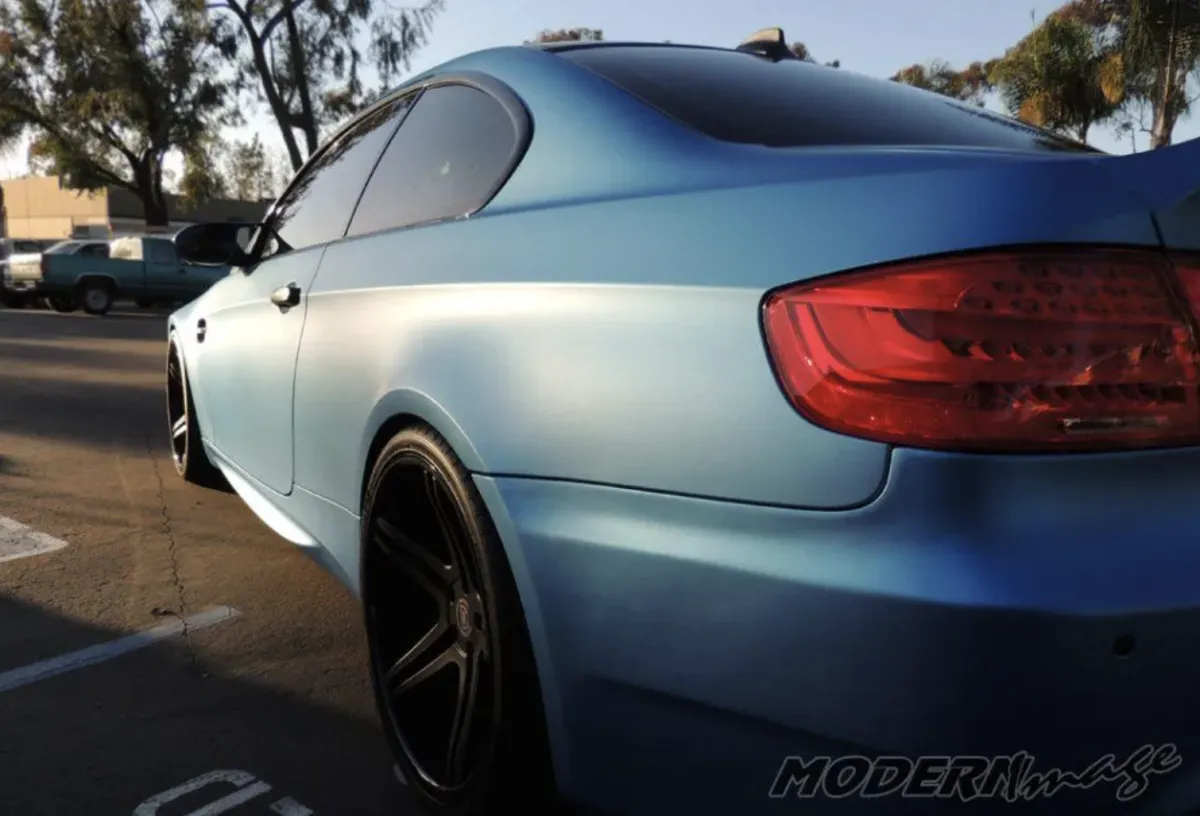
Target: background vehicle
[(141, 268), (743, 409), (27, 271), (20, 250)]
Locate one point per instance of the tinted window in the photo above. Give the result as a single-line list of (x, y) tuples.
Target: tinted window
[(446, 160), (25, 247), (738, 97), (94, 250), (317, 207), (63, 248), (159, 252)]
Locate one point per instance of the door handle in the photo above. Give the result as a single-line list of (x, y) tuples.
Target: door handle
[(286, 296), (201, 330)]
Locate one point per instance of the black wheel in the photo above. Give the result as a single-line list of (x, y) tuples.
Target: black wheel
[(451, 660), (95, 296), (12, 300), (187, 451), (61, 303)]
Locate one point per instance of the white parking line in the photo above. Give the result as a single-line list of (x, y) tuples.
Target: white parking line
[(20, 541), (23, 676)]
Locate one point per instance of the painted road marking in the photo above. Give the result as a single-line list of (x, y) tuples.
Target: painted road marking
[(23, 676), (20, 541), (247, 788)]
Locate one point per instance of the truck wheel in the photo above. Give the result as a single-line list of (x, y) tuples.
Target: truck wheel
[(61, 303), (12, 300), (94, 296)]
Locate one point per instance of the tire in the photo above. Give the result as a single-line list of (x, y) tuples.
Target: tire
[(417, 491), (61, 303), (95, 296), (187, 451), (12, 300)]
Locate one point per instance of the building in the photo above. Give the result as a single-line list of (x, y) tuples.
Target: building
[(40, 207)]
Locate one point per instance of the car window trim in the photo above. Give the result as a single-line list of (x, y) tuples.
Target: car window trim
[(341, 133), (518, 115)]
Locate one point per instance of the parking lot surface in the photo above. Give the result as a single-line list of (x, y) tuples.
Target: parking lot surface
[(161, 651)]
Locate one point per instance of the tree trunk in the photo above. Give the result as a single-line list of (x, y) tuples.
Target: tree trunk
[(147, 176), (1164, 127), (308, 117)]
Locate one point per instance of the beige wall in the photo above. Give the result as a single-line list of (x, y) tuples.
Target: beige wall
[(40, 208)]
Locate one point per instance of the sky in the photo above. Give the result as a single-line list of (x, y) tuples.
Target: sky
[(872, 37)]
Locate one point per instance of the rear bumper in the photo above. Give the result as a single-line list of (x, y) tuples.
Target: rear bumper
[(982, 606)]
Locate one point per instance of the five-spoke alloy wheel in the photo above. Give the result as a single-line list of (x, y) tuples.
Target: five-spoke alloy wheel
[(451, 659)]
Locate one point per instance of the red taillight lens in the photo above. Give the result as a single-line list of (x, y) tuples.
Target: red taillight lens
[(1033, 351)]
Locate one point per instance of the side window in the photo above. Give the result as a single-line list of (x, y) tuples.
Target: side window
[(94, 251), (445, 161), (159, 252), (27, 247), (317, 206)]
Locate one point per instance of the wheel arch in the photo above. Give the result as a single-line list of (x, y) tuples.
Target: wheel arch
[(405, 408), (90, 276)]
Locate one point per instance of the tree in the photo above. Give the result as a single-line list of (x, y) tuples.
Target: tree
[(107, 88), (1066, 75), (253, 171), (968, 85), (1159, 45), (800, 50), (304, 57), (568, 35)]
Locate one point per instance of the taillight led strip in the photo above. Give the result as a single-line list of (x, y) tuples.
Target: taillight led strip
[(1032, 350)]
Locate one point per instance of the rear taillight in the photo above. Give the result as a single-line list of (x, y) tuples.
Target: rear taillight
[(1040, 351), (42, 265)]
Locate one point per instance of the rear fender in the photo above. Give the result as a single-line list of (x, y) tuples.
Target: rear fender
[(1168, 180)]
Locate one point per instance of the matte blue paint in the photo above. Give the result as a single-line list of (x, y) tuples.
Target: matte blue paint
[(710, 581)]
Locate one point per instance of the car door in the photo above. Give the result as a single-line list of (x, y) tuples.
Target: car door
[(165, 278), (249, 332)]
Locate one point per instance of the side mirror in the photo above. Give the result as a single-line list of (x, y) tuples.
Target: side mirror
[(214, 244)]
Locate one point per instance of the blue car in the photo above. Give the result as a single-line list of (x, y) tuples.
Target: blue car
[(693, 421)]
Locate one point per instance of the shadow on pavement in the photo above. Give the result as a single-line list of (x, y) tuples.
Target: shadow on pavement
[(46, 352), (105, 738), (149, 325)]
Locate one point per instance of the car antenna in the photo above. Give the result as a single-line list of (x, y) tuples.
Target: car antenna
[(769, 43)]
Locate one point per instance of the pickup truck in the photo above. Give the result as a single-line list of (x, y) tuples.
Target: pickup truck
[(23, 277), (18, 251), (144, 269)]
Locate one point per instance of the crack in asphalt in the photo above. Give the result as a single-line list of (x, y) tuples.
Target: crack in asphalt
[(172, 553)]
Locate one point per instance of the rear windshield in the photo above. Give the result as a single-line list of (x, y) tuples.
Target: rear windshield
[(737, 97)]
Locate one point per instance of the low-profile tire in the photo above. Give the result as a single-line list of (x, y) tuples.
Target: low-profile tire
[(95, 296), (447, 635), (187, 451), (61, 303)]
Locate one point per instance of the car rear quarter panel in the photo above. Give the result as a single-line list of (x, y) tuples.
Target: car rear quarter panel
[(599, 319), (615, 341)]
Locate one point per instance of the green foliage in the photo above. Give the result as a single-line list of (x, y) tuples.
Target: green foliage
[(1066, 75), (968, 85), (106, 88), (304, 58), (800, 50), (1159, 44), (568, 35)]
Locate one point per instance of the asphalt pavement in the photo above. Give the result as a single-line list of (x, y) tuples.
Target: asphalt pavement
[(161, 650)]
